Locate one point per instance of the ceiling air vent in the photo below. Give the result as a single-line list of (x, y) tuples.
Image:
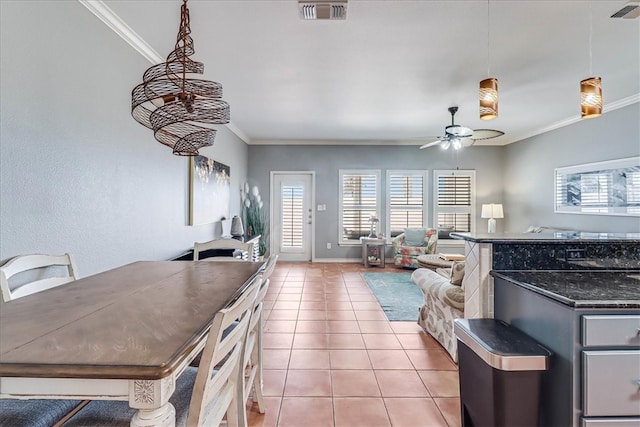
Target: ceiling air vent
[(314, 10), (630, 10)]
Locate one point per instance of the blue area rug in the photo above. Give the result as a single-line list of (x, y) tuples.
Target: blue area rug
[(399, 297)]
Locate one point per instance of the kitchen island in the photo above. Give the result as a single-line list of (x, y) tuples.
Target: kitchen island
[(590, 320), (485, 252)]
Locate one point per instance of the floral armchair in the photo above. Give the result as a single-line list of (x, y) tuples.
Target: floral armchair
[(408, 246)]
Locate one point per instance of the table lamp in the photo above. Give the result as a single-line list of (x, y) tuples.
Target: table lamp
[(492, 211), (373, 220)]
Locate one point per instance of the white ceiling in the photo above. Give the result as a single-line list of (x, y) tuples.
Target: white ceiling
[(389, 72)]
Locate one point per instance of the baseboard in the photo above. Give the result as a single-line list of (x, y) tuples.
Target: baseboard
[(336, 260)]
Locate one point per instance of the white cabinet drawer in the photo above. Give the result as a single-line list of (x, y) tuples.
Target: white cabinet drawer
[(611, 383), (612, 330)]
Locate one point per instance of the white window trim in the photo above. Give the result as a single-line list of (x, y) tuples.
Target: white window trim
[(463, 172), (425, 196), (341, 173)]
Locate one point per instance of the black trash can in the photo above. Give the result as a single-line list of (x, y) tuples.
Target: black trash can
[(499, 368)]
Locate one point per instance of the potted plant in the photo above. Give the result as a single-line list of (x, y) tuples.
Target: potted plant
[(255, 217)]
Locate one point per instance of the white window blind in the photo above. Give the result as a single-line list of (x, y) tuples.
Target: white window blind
[(454, 200), (406, 196), (292, 216), (359, 201), (633, 193)]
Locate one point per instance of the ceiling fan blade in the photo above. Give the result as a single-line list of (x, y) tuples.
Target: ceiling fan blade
[(430, 144), (485, 134)]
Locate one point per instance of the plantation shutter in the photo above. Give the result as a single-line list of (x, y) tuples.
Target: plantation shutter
[(406, 196), (454, 194), (292, 216), (359, 202)]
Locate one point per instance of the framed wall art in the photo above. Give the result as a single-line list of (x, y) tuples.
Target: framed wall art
[(209, 190), (604, 188)]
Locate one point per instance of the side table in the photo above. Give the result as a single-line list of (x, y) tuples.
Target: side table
[(373, 251)]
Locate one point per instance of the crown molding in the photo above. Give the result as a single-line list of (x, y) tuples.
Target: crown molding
[(575, 119), (126, 33)]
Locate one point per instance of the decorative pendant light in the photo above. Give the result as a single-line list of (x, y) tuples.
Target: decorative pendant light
[(180, 110), (591, 97), (489, 98), (591, 88), (488, 86)]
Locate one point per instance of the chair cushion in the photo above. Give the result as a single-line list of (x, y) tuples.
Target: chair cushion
[(34, 412), (457, 273), (414, 236), (108, 413)]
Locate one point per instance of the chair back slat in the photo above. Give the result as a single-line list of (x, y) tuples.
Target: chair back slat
[(271, 265), (34, 263), (219, 374)]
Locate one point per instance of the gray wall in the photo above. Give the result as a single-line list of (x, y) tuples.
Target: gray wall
[(77, 173), (327, 160), (529, 170)]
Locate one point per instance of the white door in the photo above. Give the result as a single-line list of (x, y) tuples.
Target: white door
[(292, 213)]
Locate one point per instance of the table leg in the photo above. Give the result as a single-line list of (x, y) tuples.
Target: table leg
[(165, 416), (151, 399)]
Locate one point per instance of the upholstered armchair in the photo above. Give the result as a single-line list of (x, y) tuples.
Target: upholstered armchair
[(408, 246)]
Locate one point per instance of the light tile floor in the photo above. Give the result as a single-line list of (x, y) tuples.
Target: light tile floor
[(331, 357)]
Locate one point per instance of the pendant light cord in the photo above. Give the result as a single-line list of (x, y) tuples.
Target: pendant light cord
[(590, 40), (488, 40)]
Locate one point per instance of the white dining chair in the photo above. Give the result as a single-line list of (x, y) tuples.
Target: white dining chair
[(253, 348), (37, 277), (203, 395), (231, 244)]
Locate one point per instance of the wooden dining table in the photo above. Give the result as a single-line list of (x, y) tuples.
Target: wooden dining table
[(124, 334)]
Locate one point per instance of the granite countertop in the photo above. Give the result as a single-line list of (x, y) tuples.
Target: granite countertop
[(581, 289), (546, 237)]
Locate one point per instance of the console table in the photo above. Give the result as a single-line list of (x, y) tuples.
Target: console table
[(255, 256)]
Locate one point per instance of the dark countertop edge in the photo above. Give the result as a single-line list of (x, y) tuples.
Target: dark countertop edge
[(566, 301), (547, 237)]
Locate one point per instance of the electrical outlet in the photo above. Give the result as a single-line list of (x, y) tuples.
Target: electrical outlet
[(328, 245), (575, 254)]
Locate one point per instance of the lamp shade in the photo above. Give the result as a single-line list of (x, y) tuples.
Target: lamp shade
[(237, 228), (591, 97), (492, 210), (489, 99)]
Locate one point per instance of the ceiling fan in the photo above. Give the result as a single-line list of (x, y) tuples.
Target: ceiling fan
[(457, 136)]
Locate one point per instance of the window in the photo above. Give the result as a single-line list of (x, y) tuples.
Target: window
[(611, 187), (406, 200), (454, 200), (292, 216), (359, 200)]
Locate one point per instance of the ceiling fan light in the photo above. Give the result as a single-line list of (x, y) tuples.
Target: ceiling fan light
[(591, 97), (457, 144), (445, 144), (457, 130), (489, 99)]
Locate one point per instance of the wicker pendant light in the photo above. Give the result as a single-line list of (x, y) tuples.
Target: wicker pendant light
[(180, 110), (488, 94), (591, 88), (489, 98)]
